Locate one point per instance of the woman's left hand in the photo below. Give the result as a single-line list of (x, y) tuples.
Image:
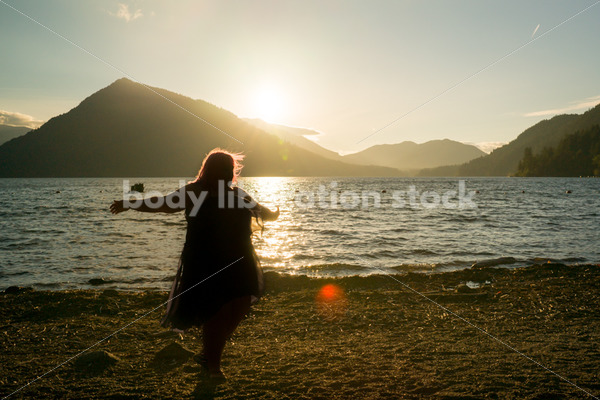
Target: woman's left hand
[(268, 215)]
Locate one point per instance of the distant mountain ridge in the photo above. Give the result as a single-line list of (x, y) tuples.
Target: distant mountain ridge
[(295, 136), (8, 132), (504, 160), (412, 156), (405, 156), (126, 130)]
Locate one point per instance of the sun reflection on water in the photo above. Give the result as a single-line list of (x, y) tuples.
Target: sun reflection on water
[(274, 245)]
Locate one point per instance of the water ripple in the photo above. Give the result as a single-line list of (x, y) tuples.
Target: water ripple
[(56, 241)]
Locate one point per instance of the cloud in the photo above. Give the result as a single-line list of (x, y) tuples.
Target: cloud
[(124, 13), (487, 147), (17, 119), (579, 106)]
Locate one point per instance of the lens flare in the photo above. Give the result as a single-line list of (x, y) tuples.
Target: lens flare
[(330, 292), (331, 302)]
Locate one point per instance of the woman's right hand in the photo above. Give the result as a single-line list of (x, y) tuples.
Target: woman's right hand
[(117, 207)]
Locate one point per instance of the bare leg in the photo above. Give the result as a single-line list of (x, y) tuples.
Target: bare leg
[(217, 330)]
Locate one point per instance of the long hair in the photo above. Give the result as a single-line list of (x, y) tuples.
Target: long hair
[(219, 165)]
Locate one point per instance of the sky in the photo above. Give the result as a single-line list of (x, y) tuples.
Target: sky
[(359, 72)]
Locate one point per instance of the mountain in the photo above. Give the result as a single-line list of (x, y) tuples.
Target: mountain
[(295, 136), (406, 156), (504, 160), (577, 154), (413, 156), (8, 132), (129, 130)]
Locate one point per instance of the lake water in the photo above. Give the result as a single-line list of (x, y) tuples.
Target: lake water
[(59, 234)]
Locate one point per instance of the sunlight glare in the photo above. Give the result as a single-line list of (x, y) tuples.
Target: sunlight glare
[(268, 104)]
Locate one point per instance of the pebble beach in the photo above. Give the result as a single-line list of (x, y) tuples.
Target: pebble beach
[(478, 333)]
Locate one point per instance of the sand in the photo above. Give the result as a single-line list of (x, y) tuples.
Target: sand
[(372, 339)]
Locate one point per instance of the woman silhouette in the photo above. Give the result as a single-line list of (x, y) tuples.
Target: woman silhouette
[(219, 274)]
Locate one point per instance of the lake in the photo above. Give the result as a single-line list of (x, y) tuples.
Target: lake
[(57, 233)]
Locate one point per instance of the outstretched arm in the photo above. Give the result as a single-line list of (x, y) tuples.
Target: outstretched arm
[(266, 214), (170, 203)]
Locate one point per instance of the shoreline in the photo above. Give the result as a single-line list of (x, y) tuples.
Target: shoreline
[(376, 339), (322, 273)]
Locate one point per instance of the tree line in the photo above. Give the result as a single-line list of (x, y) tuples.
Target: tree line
[(577, 154)]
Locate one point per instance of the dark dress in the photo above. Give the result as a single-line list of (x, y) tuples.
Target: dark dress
[(218, 262)]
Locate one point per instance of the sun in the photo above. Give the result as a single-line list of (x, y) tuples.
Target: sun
[(268, 104)]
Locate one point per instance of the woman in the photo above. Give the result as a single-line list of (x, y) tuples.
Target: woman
[(219, 275)]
